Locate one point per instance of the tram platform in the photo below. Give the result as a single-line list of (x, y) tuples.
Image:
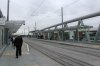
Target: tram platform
[(2, 49), (30, 57)]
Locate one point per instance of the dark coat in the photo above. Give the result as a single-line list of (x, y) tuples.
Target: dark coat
[(18, 41)]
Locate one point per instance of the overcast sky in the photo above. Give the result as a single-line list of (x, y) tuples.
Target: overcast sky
[(48, 12)]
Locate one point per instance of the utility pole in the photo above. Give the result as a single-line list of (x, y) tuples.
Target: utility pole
[(62, 16), (35, 26), (35, 31), (28, 29), (6, 29), (8, 10), (62, 23)]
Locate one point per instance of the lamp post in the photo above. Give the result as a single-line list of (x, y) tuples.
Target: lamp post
[(28, 29), (62, 23), (6, 29), (8, 10)]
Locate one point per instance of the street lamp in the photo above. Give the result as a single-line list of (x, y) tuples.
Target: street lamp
[(28, 29), (8, 10), (62, 23)]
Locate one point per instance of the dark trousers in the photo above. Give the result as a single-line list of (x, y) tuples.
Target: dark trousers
[(18, 51)]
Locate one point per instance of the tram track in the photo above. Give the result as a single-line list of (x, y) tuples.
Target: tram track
[(63, 43), (77, 49), (65, 60)]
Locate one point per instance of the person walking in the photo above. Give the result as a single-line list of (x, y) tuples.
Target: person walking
[(18, 44), (9, 40), (12, 41)]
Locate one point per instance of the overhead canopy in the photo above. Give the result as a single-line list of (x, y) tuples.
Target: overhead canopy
[(13, 25)]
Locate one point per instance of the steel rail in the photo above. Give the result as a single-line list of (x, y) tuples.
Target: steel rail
[(62, 59), (89, 52)]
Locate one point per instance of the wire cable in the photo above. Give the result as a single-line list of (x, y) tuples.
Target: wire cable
[(36, 10), (68, 5), (38, 7)]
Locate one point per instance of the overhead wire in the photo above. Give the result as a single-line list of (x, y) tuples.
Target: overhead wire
[(36, 9), (68, 5)]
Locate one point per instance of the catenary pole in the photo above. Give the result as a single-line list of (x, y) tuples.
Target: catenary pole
[(8, 10), (62, 23)]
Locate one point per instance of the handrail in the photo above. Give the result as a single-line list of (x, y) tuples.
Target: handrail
[(76, 19)]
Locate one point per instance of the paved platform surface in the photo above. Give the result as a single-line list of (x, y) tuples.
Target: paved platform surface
[(2, 49), (30, 57)]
